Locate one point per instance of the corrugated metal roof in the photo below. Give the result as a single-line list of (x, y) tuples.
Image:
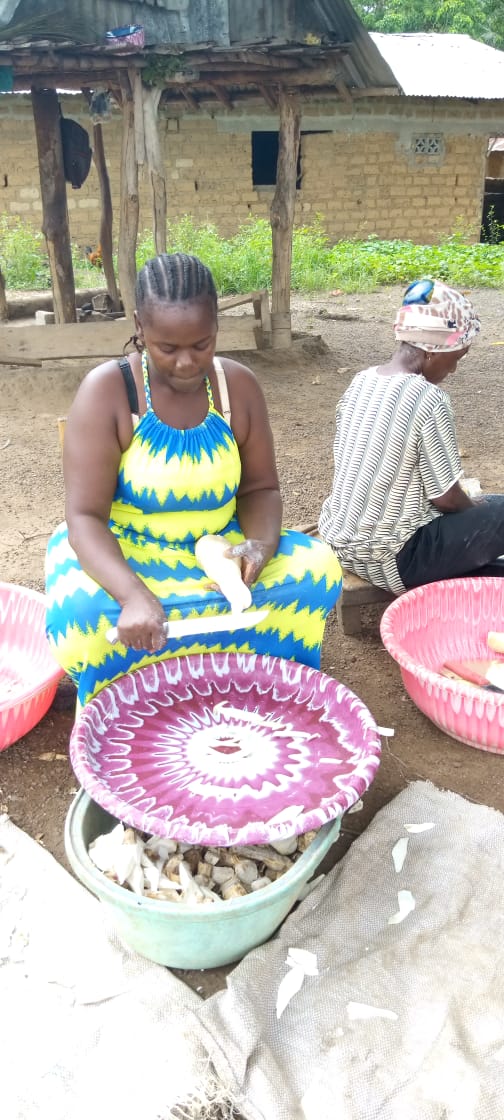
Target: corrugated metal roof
[(329, 22), (443, 65), (178, 22), (197, 23)]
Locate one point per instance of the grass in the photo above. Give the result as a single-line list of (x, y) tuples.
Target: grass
[(243, 262)]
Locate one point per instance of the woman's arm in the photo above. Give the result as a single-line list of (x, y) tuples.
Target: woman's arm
[(259, 504), (454, 500), (97, 429)]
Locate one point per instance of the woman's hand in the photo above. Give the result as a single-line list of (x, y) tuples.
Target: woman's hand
[(253, 555), (141, 623)]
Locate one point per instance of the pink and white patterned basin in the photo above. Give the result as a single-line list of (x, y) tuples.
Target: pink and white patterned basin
[(29, 674), (432, 624), (225, 749)]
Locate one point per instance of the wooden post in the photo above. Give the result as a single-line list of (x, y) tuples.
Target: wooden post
[(155, 165), (128, 223), (282, 218), (4, 310), (107, 216), (46, 115)]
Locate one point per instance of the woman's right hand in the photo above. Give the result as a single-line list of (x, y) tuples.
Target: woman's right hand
[(141, 623)]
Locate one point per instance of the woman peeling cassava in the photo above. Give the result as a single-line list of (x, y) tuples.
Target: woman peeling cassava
[(159, 451)]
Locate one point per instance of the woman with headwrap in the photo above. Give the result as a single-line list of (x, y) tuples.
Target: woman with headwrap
[(398, 515)]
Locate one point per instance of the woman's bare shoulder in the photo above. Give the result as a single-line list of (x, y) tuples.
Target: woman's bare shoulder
[(106, 373), (104, 382), (237, 372)]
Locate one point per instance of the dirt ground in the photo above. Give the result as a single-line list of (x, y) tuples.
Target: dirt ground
[(302, 387)]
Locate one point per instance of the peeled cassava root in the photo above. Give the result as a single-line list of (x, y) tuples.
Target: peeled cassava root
[(223, 570), (167, 871), (496, 641)]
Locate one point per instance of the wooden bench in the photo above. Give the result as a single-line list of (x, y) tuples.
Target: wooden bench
[(98, 340), (356, 593), (262, 314)]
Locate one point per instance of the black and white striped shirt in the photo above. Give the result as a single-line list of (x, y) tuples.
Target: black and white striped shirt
[(395, 451)]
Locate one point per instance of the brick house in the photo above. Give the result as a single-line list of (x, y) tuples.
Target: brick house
[(409, 165)]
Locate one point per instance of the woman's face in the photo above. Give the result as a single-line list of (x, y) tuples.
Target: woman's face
[(440, 364), (180, 341)]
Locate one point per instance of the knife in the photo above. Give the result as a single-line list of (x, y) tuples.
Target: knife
[(477, 672), (495, 675), (210, 624)]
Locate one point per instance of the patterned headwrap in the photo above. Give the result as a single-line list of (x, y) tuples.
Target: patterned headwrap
[(435, 317)]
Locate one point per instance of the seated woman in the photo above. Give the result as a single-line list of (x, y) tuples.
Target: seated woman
[(398, 515), (159, 451)]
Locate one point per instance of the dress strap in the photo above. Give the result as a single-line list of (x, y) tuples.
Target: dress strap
[(145, 371), (129, 381), (223, 390)]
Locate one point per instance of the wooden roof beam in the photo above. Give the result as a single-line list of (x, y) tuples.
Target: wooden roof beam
[(192, 101), (376, 91), (222, 95), (68, 81), (343, 90), (276, 61), (269, 94), (71, 66)]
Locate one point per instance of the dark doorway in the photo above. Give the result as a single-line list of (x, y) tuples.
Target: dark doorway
[(492, 224)]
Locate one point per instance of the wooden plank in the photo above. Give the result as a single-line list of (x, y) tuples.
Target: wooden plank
[(32, 345), (236, 301), (359, 592)]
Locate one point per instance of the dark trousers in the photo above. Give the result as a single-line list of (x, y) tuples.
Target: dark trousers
[(456, 544)]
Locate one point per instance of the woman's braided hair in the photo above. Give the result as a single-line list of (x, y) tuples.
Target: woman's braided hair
[(175, 277)]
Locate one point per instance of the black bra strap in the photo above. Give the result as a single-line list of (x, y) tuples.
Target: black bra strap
[(130, 384)]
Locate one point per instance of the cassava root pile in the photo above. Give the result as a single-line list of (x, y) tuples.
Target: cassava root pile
[(168, 871)]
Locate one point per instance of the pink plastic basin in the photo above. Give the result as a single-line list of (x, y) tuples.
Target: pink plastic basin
[(224, 748), (29, 674), (449, 620)]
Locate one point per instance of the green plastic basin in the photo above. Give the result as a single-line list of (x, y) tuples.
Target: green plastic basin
[(188, 936)]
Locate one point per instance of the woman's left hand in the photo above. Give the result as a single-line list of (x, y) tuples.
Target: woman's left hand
[(253, 555)]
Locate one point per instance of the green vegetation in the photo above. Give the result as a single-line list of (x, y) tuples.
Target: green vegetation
[(481, 19), (243, 262), (24, 263)]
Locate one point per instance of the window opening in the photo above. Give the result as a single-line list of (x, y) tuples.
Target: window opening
[(265, 157)]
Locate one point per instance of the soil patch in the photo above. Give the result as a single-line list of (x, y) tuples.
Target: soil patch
[(302, 387)]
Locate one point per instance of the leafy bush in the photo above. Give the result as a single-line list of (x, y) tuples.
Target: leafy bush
[(243, 262), (23, 259), (21, 255)]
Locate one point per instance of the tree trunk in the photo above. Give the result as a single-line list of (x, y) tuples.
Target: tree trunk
[(282, 218), (107, 216), (128, 225), (155, 165), (46, 115), (4, 310)]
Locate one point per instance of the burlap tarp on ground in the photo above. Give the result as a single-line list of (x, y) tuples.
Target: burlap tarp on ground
[(404, 1021)]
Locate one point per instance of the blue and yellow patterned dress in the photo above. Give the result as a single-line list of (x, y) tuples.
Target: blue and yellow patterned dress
[(173, 487)]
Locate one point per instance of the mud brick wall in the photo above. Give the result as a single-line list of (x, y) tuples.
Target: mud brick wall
[(394, 167)]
